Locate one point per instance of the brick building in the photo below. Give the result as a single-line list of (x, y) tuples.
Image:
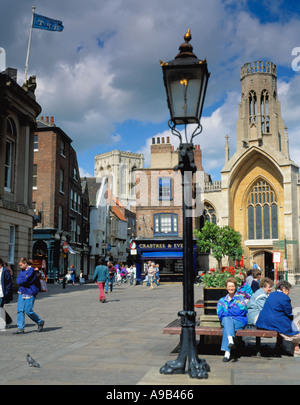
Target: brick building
[(61, 205), (159, 210)]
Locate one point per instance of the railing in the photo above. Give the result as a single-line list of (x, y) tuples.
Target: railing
[(215, 186)]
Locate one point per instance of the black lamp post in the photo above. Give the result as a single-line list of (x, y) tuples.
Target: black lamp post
[(185, 79)]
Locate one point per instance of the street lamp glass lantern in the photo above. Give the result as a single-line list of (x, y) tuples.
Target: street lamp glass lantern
[(185, 80)]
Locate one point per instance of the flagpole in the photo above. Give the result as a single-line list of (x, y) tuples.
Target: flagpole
[(29, 44)]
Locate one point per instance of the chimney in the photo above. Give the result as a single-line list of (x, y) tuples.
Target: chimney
[(198, 157)]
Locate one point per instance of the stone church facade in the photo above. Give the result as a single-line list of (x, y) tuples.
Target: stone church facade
[(259, 190), (120, 167)]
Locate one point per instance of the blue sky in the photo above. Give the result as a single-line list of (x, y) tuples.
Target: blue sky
[(101, 79)]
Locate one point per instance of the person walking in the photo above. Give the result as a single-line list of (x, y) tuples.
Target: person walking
[(151, 274), (156, 277), (101, 275), (111, 270), (28, 291), (6, 294), (73, 273)]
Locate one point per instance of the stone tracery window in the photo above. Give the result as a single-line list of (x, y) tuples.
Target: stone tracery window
[(209, 213), (264, 107), (252, 107), (262, 211)]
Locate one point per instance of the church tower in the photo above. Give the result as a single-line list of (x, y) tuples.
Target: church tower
[(260, 123)]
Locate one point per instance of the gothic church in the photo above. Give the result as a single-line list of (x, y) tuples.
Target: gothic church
[(259, 190)]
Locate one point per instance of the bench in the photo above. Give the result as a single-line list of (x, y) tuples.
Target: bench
[(174, 328)]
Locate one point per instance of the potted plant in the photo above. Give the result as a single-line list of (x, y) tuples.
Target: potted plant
[(214, 286)]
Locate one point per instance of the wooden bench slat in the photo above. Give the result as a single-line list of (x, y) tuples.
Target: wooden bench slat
[(174, 328)]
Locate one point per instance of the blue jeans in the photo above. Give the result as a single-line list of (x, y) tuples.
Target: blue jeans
[(25, 305), (230, 326), (111, 282)]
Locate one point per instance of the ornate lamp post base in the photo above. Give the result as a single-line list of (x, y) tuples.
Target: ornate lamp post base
[(197, 368)]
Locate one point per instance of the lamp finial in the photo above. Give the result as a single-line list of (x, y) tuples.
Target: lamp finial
[(188, 36)]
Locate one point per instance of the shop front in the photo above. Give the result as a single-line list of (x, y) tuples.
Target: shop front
[(168, 254)]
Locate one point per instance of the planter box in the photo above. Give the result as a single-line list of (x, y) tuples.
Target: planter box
[(211, 297)]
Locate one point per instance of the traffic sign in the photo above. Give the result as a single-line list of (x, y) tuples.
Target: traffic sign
[(132, 245)]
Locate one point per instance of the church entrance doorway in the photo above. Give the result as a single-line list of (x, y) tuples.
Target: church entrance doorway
[(265, 261)]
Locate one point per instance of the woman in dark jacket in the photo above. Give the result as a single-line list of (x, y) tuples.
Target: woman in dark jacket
[(277, 314), (6, 294)]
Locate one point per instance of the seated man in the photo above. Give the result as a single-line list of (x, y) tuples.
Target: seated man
[(258, 299)]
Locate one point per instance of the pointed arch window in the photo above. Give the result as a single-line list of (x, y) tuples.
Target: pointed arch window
[(209, 213), (262, 211), (264, 108), (252, 107)]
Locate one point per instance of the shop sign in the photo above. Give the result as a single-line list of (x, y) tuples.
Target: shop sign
[(160, 246)]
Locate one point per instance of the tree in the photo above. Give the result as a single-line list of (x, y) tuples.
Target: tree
[(220, 242)]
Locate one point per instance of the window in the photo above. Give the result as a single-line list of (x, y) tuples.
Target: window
[(75, 201), (73, 227), (252, 107), (62, 148), (209, 213), (34, 180), (262, 212), (36, 143), (9, 155), (71, 198), (166, 224), (8, 166), (60, 217), (11, 244), (265, 118), (75, 174), (61, 180), (79, 204), (165, 189)]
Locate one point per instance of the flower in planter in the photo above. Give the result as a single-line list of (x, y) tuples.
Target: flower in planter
[(217, 278)]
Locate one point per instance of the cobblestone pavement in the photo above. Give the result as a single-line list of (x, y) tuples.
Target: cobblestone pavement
[(120, 342)]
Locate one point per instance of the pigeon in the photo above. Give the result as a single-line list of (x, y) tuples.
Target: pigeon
[(31, 361)]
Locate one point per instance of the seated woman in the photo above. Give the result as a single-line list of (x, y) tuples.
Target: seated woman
[(256, 274), (232, 312), (244, 289), (277, 314), (258, 299)]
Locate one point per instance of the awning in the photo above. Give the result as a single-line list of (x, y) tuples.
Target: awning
[(162, 255)]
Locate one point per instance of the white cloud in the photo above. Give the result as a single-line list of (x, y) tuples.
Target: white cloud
[(103, 69), (84, 173)]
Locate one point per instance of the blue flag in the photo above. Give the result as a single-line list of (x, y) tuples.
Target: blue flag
[(45, 23)]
